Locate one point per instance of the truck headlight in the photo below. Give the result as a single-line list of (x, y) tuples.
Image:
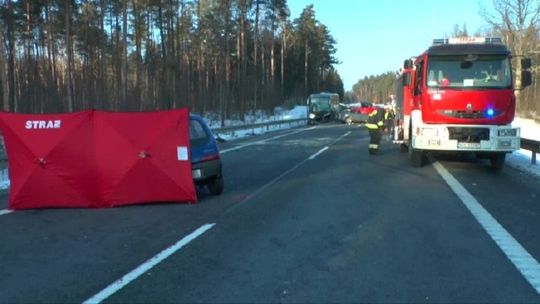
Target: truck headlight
[(311, 116), (508, 132)]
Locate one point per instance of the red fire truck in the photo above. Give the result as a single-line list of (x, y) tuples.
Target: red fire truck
[(459, 96)]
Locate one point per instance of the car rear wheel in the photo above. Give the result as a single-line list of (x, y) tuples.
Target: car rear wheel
[(215, 186), (348, 121)]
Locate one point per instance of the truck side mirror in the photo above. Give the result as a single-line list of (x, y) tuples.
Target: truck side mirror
[(526, 79), (526, 63), (406, 80)]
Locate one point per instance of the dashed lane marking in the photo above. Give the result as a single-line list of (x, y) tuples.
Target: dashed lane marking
[(318, 153)]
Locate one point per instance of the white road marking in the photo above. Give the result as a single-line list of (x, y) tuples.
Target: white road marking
[(264, 187), (326, 148), (275, 180), (318, 153), (263, 141), (232, 149), (135, 273), (5, 211), (522, 260)]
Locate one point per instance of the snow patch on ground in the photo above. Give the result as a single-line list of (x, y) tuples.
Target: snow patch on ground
[(521, 159)]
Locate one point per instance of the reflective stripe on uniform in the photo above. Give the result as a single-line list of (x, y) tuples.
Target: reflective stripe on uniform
[(371, 126), (373, 146)]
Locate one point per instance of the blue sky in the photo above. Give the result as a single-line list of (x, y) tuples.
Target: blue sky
[(375, 36)]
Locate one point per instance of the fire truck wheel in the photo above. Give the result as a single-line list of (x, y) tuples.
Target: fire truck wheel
[(497, 160), (416, 157)]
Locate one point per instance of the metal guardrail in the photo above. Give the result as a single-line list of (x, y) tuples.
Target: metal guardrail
[(531, 145), (262, 125), (258, 126)]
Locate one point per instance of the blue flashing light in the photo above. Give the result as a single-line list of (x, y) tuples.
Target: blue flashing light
[(490, 112)]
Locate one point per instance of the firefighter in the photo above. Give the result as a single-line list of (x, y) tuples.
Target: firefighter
[(375, 124), (388, 118)]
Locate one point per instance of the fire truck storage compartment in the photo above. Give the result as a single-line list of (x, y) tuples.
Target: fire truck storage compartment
[(467, 134)]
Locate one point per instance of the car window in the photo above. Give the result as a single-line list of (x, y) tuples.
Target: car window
[(197, 134)]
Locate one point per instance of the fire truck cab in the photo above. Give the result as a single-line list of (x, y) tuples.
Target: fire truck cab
[(459, 96)]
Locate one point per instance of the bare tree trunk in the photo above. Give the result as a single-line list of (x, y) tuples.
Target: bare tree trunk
[(263, 73), (306, 52), (50, 46), (103, 92), (117, 63), (200, 74), (255, 57), (12, 69), (150, 71), (124, 56), (69, 84), (243, 68), (239, 67), (3, 77), (225, 101), (173, 97), (183, 56), (272, 60), (27, 69), (283, 48), (161, 32), (164, 75), (138, 46)]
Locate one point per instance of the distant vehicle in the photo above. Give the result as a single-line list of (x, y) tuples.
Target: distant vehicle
[(206, 167), (343, 113), (349, 114), (357, 113), (366, 108), (322, 107)]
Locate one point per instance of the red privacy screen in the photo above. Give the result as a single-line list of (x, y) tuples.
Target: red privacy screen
[(97, 159)]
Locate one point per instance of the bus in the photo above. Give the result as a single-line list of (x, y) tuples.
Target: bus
[(322, 107)]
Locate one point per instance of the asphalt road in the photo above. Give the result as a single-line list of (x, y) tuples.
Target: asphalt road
[(307, 216)]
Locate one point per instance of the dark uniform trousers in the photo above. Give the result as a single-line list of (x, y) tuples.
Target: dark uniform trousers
[(374, 124)]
